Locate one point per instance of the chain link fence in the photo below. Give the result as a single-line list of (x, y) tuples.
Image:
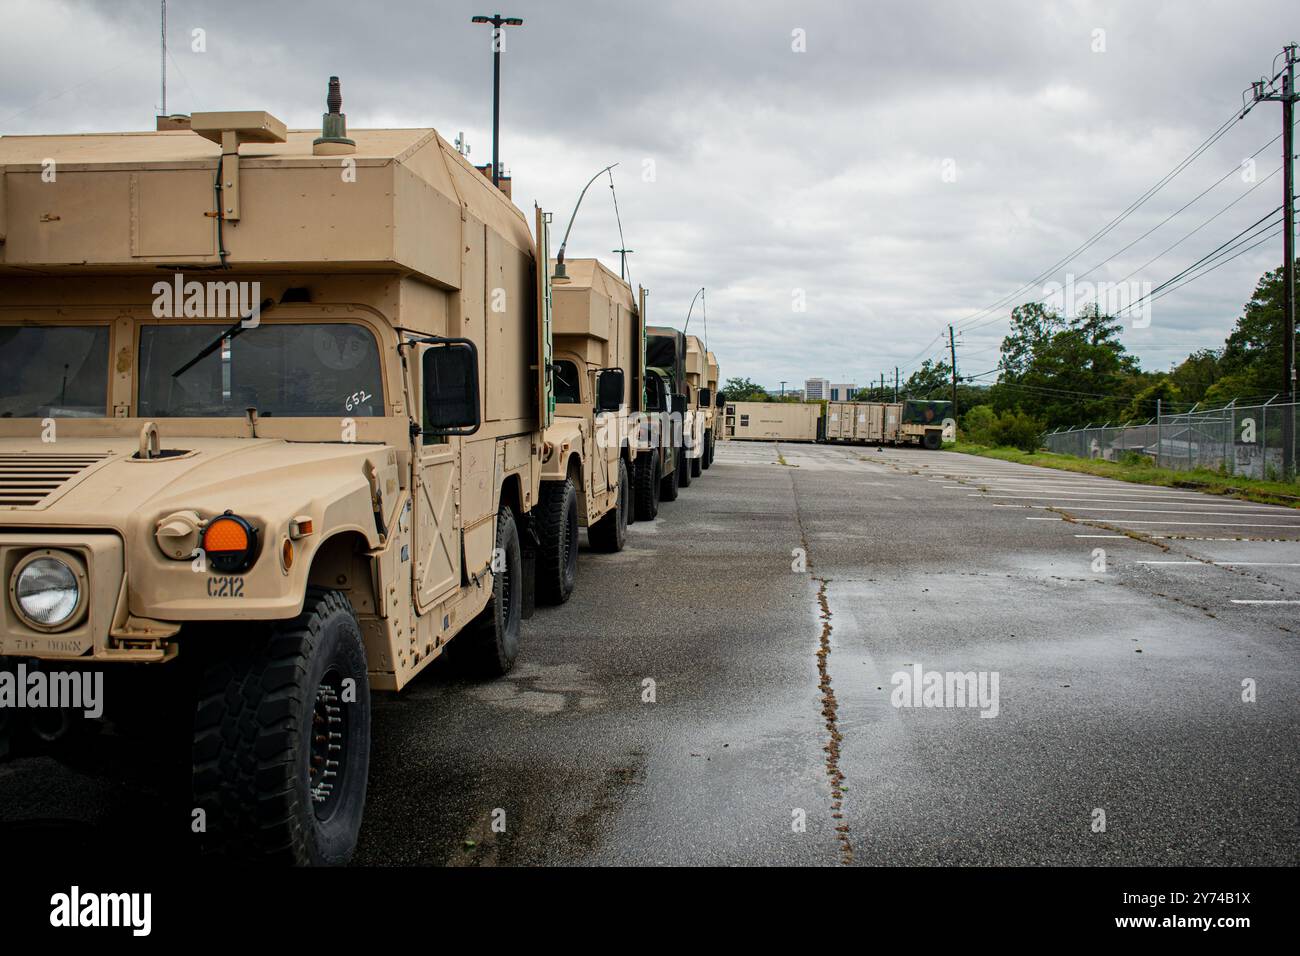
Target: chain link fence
[(1244, 440)]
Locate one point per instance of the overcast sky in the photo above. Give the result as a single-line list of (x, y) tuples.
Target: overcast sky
[(891, 167)]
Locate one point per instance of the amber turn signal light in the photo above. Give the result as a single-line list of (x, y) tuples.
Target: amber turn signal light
[(230, 543)]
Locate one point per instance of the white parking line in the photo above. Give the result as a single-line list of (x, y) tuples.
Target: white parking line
[(1265, 602), (1136, 500), (1121, 497), (1122, 537), (1158, 511), (1212, 524), (1230, 564)]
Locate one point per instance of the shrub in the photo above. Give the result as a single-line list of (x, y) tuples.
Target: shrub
[(977, 425), (1018, 430)]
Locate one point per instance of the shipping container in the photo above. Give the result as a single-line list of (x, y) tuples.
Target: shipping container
[(771, 421), (911, 422)]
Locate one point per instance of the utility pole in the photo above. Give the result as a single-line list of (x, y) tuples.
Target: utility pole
[(1287, 98), (783, 388), (895, 384), (952, 350), (498, 41), (622, 261)]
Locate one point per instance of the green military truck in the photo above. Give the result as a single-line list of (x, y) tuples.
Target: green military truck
[(666, 361)]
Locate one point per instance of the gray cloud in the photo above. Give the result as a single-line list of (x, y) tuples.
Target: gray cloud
[(775, 171)]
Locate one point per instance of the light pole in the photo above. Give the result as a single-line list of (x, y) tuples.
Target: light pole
[(498, 41)]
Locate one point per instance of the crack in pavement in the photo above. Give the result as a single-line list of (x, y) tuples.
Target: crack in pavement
[(830, 706)]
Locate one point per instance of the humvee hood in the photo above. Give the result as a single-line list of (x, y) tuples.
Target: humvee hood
[(101, 483)]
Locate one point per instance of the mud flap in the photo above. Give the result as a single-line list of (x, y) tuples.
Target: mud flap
[(529, 543)]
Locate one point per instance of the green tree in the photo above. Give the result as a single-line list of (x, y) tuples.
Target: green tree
[(977, 425), (932, 380), (1194, 376), (1251, 363), (1065, 371), (744, 390), (1144, 405)]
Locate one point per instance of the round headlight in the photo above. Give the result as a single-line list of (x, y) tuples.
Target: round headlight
[(47, 592)]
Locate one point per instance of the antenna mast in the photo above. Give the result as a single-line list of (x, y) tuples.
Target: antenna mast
[(164, 57)]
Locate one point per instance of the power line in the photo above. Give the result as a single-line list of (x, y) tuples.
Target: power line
[(1213, 138), (993, 319), (1213, 253)]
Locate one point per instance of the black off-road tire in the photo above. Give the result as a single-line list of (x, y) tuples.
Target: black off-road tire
[(697, 464), (671, 482), (932, 441), (706, 459), (609, 534), (271, 779), (556, 516), (490, 643), (684, 465), (648, 483)]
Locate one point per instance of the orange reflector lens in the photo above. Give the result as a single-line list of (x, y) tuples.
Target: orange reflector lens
[(286, 554), (225, 535)]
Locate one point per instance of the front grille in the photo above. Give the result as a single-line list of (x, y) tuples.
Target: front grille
[(28, 480)]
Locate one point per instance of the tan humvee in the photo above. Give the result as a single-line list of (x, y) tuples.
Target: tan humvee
[(701, 406), (597, 340), (718, 399), (301, 500)]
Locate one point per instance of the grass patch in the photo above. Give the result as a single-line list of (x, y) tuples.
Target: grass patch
[(1139, 470)]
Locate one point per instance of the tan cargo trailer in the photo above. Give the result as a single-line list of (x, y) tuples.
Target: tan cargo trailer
[(771, 421)]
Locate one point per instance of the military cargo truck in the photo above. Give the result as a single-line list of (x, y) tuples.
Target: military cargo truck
[(910, 422), (771, 421), (666, 363), (699, 411), (715, 404), (271, 413), (587, 461)]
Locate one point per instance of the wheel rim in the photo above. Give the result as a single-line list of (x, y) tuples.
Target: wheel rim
[(329, 745)]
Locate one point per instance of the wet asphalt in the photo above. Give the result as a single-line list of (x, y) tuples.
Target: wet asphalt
[(720, 691)]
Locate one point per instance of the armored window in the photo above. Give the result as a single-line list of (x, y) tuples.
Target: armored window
[(568, 387), (298, 370), (54, 371)]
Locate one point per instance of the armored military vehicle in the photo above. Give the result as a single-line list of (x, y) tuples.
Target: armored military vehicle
[(699, 398), (711, 421), (666, 363), (587, 460), (271, 414)]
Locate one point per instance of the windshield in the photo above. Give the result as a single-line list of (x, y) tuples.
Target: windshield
[(287, 370), (54, 371), (568, 388)]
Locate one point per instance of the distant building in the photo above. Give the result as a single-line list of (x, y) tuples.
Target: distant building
[(816, 389), (841, 393)]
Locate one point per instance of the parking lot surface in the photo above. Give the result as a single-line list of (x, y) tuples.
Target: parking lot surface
[(727, 689)]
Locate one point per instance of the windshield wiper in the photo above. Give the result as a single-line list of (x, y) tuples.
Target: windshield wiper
[(230, 333)]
